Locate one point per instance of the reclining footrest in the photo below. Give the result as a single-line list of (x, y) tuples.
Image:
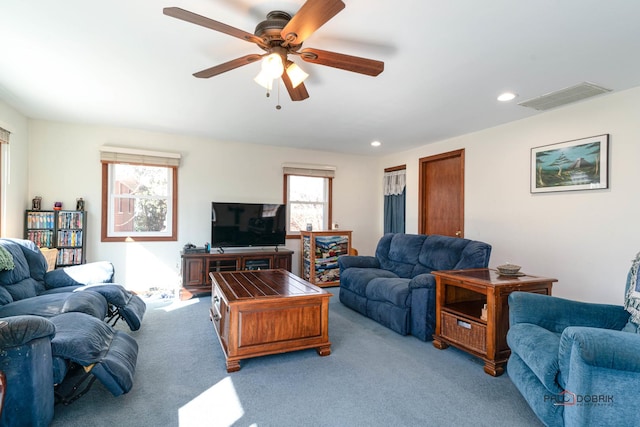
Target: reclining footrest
[(105, 353), (75, 385), (123, 304)]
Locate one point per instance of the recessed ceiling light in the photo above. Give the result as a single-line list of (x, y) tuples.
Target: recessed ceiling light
[(507, 96), (376, 144)]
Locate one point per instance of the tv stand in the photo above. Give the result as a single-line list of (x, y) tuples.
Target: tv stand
[(197, 266)]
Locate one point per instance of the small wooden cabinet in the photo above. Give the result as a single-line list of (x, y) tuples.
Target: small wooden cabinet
[(320, 251), (461, 297), (196, 266)]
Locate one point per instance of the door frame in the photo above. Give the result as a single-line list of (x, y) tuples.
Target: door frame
[(422, 170)]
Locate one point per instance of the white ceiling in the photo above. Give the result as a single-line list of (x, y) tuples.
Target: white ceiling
[(124, 63)]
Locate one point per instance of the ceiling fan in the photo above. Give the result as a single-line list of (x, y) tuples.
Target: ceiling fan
[(281, 35)]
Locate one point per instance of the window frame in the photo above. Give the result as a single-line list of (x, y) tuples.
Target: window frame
[(147, 237), (329, 201)]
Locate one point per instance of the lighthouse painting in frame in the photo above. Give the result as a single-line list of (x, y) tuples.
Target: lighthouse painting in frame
[(581, 164)]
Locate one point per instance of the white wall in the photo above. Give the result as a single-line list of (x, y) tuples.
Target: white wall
[(585, 239), (14, 171), (64, 165)]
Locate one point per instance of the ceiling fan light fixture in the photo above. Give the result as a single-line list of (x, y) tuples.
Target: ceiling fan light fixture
[(296, 74), (272, 65), (264, 80)]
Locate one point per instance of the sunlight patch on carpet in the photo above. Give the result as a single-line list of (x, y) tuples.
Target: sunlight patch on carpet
[(217, 406), (177, 304)]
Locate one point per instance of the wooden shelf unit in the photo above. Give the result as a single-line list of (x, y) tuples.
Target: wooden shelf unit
[(63, 230), (319, 255)]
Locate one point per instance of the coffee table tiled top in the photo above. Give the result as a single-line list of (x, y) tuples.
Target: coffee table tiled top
[(253, 284)]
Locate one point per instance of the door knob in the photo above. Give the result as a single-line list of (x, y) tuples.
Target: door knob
[(459, 233)]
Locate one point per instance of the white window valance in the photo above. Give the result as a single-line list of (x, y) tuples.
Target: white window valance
[(395, 182), (109, 154), (305, 169), (4, 136)]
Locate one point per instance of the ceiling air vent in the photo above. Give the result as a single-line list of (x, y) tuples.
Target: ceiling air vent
[(564, 96)]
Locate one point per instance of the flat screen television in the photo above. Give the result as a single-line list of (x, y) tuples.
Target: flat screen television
[(247, 224)]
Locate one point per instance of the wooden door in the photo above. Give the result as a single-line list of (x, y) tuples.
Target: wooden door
[(441, 194)]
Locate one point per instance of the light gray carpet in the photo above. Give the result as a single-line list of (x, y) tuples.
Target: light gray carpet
[(373, 377)]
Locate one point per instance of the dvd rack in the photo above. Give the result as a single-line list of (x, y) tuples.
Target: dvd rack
[(63, 230)]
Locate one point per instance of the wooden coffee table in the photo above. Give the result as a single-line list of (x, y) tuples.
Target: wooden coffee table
[(262, 312)]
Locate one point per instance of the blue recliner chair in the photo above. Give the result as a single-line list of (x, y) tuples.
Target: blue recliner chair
[(576, 363)]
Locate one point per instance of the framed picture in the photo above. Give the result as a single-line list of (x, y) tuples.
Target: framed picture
[(581, 164)]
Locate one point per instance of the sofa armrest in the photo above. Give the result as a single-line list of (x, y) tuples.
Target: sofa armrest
[(601, 348), (19, 330), (360, 261), (79, 275), (602, 369), (424, 280), (556, 314)]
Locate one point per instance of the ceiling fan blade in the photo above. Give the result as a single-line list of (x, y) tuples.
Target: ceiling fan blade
[(227, 66), (298, 93), (311, 16), (194, 18), (370, 67)]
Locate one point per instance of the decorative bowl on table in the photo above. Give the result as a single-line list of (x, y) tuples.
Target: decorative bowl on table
[(509, 269)]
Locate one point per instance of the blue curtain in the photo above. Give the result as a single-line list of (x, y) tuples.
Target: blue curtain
[(394, 201)]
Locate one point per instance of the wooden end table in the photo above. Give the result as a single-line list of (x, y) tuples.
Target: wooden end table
[(262, 312), (461, 296)]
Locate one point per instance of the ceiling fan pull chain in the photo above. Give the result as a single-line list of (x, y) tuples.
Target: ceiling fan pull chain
[(278, 106)]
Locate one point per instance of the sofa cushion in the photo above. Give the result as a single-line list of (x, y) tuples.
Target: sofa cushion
[(21, 282), (36, 260), (399, 253), (442, 252), (5, 296), (392, 290), (475, 255), (23, 289), (356, 279), (538, 348), (80, 338), (20, 270), (53, 304)]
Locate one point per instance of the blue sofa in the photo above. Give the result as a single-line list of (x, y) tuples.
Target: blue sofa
[(54, 325), (577, 363), (396, 288)]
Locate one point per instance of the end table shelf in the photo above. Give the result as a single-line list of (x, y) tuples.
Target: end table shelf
[(461, 296)]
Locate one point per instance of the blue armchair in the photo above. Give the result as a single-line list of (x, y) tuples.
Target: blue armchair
[(576, 363)]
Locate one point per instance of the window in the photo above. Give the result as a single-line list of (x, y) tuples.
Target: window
[(4, 139), (308, 193), (139, 195), (395, 195)]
